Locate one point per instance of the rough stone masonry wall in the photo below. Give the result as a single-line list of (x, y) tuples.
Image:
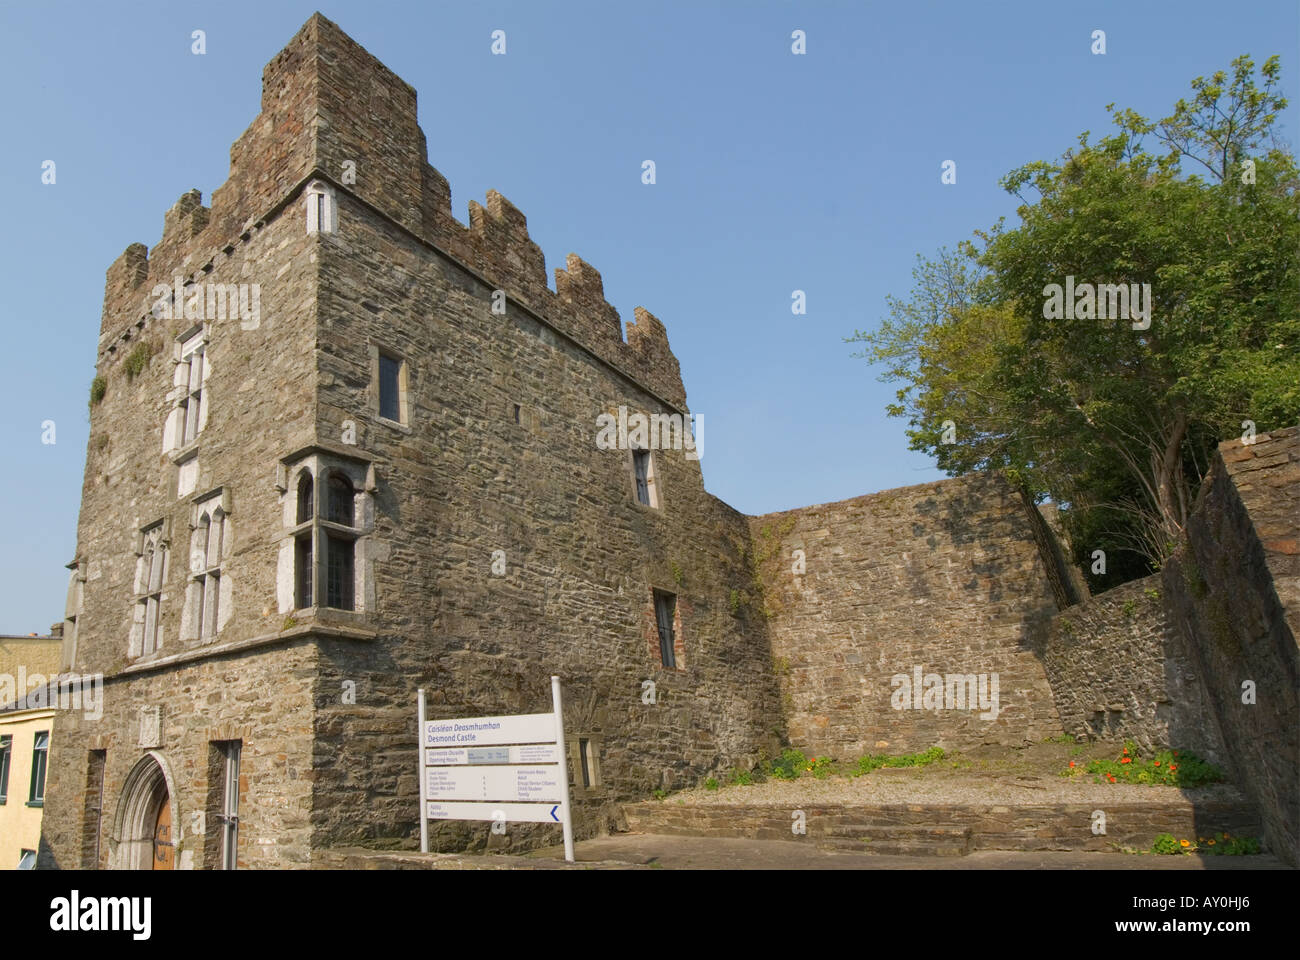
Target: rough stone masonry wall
[(1119, 671), (265, 701), (1234, 587), (581, 555), (945, 576), (464, 478), (260, 398)]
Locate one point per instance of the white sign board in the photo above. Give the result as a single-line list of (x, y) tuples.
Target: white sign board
[(528, 728), (506, 769), (530, 753), (508, 812), (511, 783)]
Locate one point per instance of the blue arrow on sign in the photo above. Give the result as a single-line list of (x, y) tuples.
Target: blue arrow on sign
[(553, 816)]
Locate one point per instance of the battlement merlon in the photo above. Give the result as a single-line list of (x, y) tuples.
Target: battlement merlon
[(330, 108)]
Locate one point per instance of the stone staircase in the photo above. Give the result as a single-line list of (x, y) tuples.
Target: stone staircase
[(948, 830)]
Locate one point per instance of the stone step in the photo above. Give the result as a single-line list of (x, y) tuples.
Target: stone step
[(948, 829)]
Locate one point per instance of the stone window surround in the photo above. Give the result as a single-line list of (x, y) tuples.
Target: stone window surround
[(404, 406), (572, 743), (319, 199), (179, 444), (360, 471), (679, 642), (160, 533), (206, 587), (653, 481), (72, 613)]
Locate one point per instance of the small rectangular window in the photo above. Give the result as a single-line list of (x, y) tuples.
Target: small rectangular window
[(230, 806), (583, 747), (6, 749), (27, 860), (40, 750), (339, 572), (390, 381), (94, 811), (302, 589), (641, 466), (516, 406), (665, 607)]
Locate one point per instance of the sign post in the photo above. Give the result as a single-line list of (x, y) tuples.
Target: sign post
[(424, 824), (508, 768)]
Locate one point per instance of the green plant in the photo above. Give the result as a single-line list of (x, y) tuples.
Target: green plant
[(821, 767), (741, 778), (710, 784), (660, 794), (1152, 594), (289, 623), (1221, 846), (734, 603), (1168, 768), (677, 573), (1166, 843), (874, 762), (137, 359), (1129, 607), (98, 387), (789, 765), (780, 666), (1063, 738)]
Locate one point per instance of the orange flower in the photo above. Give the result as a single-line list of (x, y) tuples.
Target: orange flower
[(1210, 842), (1071, 763), (1127, 760), (1157, 763), (1185, 843), (1225, 836), (1173, 766), (1126, 751)]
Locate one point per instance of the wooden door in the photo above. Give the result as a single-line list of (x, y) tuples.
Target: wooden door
[(164, 851)]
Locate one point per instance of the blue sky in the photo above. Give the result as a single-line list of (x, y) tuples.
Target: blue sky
[(775, 172)]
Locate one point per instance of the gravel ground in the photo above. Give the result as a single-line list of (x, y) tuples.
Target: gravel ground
[(1001, 775)]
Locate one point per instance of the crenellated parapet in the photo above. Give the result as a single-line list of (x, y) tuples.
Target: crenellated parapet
[(332, 112)]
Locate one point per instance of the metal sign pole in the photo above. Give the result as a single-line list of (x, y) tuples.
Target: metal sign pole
[(424, 786), (564, 776)]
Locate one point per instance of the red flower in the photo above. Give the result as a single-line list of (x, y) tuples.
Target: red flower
[(1071, 763), (1126, 751), (1127, 760), (1173, 766), (1157, 763)]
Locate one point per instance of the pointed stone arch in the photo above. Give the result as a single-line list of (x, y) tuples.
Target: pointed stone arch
[(147, 787)]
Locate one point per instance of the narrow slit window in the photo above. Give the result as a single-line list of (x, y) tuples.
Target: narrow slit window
[(641, 467), (390, 406), (665, 608)]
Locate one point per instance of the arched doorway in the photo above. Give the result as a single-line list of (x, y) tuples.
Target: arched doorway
[(144, 825)]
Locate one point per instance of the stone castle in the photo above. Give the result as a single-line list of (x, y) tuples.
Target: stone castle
[(343, 447)]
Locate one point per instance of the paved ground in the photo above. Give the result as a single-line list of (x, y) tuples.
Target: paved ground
[(716, 853), (639, 851)]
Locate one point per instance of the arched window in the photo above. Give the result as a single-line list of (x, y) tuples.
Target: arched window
[(205, 570), (321, 211), (339, 509), (327, 524), (306, 497)]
